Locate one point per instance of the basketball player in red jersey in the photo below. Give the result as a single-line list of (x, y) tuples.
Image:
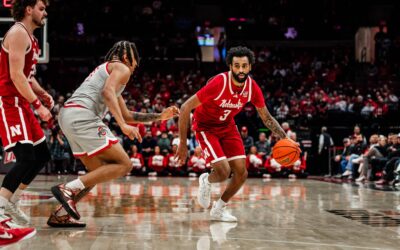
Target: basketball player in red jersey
[(19, 128), (215, 106)]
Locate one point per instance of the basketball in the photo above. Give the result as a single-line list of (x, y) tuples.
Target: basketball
[(286, 152)]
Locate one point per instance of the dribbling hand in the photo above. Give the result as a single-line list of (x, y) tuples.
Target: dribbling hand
[(131, 131)]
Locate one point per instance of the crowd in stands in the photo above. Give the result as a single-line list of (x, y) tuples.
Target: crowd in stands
[(376, 160)]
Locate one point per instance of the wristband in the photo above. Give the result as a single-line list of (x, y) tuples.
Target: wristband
[(36, 104)]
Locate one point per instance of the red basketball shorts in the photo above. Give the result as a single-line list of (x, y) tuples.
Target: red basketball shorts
[(18, 123), (221, 144)]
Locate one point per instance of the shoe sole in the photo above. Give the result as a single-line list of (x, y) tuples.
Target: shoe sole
[(59, 196), (59, 225), (30, 235)]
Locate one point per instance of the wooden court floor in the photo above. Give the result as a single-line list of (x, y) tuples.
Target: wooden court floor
[(162, 213)]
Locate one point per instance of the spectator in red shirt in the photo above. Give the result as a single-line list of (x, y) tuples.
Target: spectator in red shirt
[(197, 162), (174, 167), (158, 163), (254, 163), (138, 167)]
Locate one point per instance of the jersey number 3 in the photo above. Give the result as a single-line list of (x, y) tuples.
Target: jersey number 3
[(225, 115)]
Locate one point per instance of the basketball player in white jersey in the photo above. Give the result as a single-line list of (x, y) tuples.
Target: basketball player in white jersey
[(90, 139)]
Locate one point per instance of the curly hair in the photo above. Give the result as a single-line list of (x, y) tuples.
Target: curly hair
[(120, 48), (239, 51), (19, 7)]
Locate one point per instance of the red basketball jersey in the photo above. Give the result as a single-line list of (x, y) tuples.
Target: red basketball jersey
[(7, 87), (221, 100)]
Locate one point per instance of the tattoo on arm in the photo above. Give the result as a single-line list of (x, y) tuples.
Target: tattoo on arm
[(270, 122), (146, 117)]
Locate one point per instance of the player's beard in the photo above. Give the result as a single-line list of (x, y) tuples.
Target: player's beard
[(238, 79), (38, 22)]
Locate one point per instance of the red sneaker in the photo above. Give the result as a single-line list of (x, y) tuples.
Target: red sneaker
[(66, 197), (12, 235)]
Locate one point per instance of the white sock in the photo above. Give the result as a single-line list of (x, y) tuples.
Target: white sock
[(75, 184), (220, 203), (207, 181), (3, 204), (16, 195)]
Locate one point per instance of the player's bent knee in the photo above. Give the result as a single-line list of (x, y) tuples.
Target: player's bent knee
[(125, 168), (223, 172)]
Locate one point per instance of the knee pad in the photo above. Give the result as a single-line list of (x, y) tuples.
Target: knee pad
[(41, 156), (25, 158)]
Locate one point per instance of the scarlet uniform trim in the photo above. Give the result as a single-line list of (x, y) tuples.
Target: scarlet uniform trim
[(97, 151)]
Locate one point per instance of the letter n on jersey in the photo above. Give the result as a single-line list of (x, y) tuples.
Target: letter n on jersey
[(15, 130)]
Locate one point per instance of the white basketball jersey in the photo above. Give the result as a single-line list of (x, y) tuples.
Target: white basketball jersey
[(89, 93)]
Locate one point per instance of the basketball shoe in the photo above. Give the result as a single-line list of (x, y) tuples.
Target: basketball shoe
[(11, 235), (66, 197), (204, 193), (66, 220), (15, 212), (220, 214)]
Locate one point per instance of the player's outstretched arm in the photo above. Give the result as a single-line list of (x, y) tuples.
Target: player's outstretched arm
[(270, 122), (138, 117)]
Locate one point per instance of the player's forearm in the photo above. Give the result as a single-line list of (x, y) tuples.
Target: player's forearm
[(37, 89), (184, 123), (271, 123), (144, 117), (22, 85), (111, 101)]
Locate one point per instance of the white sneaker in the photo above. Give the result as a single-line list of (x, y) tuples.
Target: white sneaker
[(220, 214), (16, 213), (204, 193), (9, 222), (346, 173), (266, 176), (360, 179)]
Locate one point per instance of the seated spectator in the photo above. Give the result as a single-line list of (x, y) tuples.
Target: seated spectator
[(342, 158), (138, 167), (158, 163), (148, 145), (197, 163), (356, 150), (248, 140), (263, 147), (254, 163), (59, 150), (377, 149), (164, 143), (174, 167)]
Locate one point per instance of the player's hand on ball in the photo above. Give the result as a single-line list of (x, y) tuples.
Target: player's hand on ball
[(131, 131), (169, 113)]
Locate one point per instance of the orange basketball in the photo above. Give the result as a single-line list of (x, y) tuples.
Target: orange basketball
[(286, 152)]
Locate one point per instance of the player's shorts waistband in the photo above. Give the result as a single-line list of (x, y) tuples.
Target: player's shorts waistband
[(73, 105)]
